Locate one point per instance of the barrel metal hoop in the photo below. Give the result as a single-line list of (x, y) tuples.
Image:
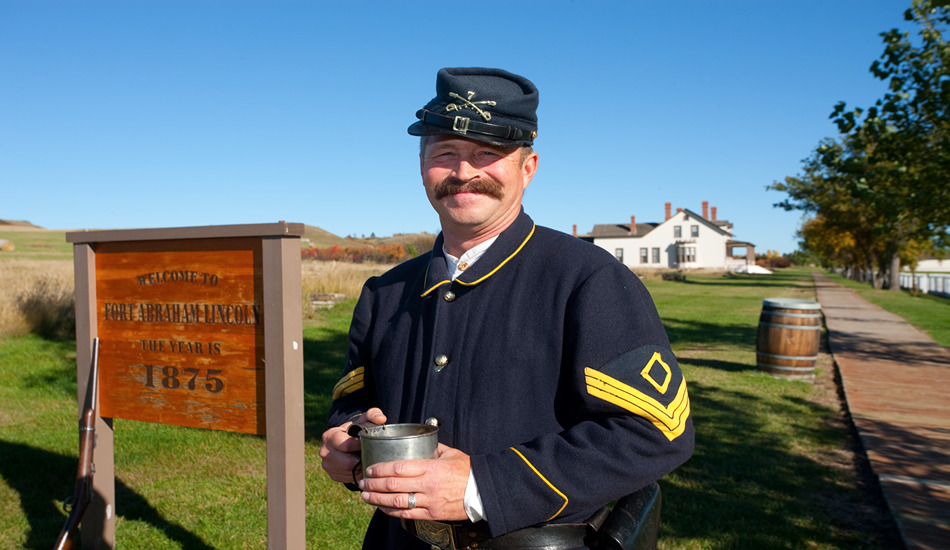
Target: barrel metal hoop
[(795, 369), (799, 315), (789, 357), (798, 327), (790, 303)]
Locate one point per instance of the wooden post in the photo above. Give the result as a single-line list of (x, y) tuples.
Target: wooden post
[(98, 526), (283, 342)]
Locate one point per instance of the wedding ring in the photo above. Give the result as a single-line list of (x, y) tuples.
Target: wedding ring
[(412, 500)]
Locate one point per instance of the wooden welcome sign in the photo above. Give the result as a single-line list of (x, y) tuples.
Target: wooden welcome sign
[(198, 327), (182, 329)]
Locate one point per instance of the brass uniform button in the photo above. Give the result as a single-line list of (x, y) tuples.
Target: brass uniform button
[(440, 362), (448, 296)]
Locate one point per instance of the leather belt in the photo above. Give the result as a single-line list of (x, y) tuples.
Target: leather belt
[(467, 535)]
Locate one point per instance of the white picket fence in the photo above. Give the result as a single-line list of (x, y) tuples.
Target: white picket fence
[(930, 283)]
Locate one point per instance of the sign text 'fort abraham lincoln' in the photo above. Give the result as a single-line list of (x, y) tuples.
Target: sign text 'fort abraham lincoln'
[(182, 330)]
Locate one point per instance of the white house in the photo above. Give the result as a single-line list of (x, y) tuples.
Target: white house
[(931, 276), (930, 265), (684, 240)]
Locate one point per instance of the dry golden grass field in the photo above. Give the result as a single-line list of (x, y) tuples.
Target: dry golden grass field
[(31, 290)]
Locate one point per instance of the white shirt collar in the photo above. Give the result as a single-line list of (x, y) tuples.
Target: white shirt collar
[(458, 265)]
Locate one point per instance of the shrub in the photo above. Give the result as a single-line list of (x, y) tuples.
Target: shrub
[(384, 253), (408, 247), (49, 308), (36, 296), (773, 263), (678, 276)]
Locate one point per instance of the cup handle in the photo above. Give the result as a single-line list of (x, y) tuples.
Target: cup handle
[(353, 486)]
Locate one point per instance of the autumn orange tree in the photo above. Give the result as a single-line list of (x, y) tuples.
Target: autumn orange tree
[(836, 246)]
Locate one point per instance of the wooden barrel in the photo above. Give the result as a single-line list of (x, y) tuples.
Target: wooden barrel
[(787, 340)]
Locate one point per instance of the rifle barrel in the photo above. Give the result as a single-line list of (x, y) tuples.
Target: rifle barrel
[(82, 494)]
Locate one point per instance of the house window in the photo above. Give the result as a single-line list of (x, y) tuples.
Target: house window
[(677, 232), (619, 254), (686, 254), (644, 257), (656, 255), (694, 230)]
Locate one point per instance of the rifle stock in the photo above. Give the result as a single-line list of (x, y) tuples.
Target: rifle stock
[(82, 495)]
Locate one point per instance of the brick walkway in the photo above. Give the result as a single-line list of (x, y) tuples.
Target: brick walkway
[(896, 381)]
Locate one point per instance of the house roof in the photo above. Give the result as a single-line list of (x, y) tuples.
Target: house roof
[(620, 230), (720, 225), (607, 230)]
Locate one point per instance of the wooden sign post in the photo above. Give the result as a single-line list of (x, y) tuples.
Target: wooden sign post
[(198, 327)]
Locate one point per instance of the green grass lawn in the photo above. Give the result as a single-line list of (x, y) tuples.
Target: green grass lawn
[(772, 469), (772, 466), (37, 245), (175, 487)]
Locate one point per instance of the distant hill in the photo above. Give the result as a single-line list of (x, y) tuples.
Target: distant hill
[(312, 236), (320, 238), (399, 238), (17, 224)]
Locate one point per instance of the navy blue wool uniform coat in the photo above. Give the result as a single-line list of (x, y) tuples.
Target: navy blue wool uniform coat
[(545, 361)]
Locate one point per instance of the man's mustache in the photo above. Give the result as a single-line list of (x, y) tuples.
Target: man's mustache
[(483, 185)]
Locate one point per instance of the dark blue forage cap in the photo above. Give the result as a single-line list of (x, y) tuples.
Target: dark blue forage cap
[(488, 105)]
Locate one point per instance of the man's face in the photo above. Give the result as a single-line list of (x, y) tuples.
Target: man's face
[(475, 187)]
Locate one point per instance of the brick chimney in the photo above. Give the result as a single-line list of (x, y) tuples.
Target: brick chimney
[(633, 225), (668, 207), (678, 210), (575, 229), (706, 210), (713, 213)]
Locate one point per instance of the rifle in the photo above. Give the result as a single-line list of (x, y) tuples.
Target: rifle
[(76, 505)]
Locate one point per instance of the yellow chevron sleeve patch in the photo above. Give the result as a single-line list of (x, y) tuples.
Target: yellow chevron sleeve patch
[(545, 480), (351, 382), (669, 419)]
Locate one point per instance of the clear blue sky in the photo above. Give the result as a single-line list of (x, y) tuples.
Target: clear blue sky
[(135, 113)]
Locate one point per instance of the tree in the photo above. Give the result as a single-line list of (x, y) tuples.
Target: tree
[(886, 180), (908, 133), (832, 247), (843, 228)]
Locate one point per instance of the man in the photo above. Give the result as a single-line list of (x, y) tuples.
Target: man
[(540, 357)]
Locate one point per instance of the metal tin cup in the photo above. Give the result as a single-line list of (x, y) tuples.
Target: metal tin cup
[(390, 442)]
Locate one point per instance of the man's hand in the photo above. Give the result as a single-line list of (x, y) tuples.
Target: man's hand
[(438, 486), (340, 452)]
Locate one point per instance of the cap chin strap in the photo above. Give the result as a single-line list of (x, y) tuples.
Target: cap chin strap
[(465, 125)]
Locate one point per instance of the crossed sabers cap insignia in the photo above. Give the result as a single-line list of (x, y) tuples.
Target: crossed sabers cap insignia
[(468, 103)]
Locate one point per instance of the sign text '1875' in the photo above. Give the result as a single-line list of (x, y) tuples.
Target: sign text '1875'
[(190, 379)]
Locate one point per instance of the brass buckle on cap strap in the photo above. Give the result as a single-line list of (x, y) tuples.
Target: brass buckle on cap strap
[(461, 124)]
